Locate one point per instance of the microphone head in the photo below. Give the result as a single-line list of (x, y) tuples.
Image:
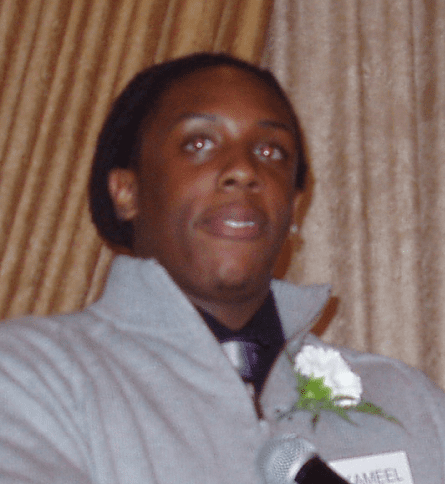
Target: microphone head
[(281, 458)]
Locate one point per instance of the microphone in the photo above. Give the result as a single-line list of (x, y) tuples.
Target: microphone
[(289, 460)]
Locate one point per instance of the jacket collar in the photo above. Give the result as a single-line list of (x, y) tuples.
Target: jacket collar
[(141, 297), (140, 293)]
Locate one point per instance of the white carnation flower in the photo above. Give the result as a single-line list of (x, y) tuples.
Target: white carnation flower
[(329, 364)]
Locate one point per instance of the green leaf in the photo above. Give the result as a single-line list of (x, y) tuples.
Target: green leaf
[(316, 389), (315, 418), (370, 408), (315, 397), (341, 412)]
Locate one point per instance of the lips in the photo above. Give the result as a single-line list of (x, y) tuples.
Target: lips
[(234, 221)]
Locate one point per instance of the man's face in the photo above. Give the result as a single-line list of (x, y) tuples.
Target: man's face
[(215, 184)]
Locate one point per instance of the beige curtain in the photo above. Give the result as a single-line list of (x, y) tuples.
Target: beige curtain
[(61, 64), (368, 80), (367, 77)]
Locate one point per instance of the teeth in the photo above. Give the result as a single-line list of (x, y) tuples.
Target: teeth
[(236, 224)]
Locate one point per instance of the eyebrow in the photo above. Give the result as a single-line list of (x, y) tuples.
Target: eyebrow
[(267, 123), (277, 124), (210, 117)]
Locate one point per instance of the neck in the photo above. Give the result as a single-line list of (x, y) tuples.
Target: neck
[(232, 315)]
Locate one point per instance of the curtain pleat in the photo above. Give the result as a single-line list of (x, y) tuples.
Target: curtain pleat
[(367, 79), (61, 65)]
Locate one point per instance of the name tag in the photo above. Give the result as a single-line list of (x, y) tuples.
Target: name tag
[(389, 468)]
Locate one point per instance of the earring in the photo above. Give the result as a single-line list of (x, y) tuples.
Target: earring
[(125, 205), (293, 229)]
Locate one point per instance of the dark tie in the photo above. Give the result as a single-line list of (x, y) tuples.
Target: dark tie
[(246, 358)]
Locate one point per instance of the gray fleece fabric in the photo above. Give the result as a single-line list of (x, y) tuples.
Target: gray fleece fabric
[(136, 390)]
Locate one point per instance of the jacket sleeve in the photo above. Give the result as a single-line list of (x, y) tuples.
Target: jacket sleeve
[(40, 429)]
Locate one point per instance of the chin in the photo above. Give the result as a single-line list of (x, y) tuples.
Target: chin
[(232, 285), (234, 291), (241, 286)]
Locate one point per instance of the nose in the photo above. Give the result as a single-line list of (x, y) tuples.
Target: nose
[(239, 172)]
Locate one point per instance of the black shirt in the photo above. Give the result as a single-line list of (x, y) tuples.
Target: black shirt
[(263, 333)]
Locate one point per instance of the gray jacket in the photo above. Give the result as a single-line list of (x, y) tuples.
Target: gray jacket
[(135, 389)]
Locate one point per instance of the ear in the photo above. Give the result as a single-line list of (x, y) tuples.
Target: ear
[(122, 187), (293, 229), (296, 202)]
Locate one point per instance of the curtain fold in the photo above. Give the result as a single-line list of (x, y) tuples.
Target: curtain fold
[(367, 79), (61, 65)]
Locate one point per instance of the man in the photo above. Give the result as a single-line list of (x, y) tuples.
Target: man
[(198, 171)]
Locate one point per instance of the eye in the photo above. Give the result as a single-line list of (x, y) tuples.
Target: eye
[(198, 144), (271, 152)]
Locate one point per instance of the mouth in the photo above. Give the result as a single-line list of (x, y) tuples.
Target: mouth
[(234, 221), (238, 224)]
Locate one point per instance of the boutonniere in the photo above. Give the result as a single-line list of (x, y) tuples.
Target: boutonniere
[(326, 382)]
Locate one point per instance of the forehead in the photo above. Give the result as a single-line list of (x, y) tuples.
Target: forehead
[(224, 87)]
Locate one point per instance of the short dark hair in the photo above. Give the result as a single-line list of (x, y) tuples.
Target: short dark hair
[(119, 140)]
